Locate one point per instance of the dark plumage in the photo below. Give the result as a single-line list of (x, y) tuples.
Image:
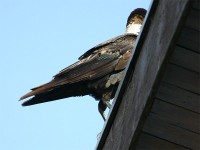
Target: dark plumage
[(96, 73)]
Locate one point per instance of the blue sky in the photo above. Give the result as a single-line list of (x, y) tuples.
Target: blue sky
[(38, 38)]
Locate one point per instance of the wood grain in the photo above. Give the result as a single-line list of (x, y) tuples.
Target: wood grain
[(193, 19), (157, 46), (186, 58), (178, 96), (149, 142), (158, 127), (182, 78), (178, 116), (158, 104), (190, 38)]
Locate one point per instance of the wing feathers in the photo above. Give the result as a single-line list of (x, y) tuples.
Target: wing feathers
[(99, 61)]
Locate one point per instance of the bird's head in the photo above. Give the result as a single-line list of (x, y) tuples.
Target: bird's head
[(135, 21)]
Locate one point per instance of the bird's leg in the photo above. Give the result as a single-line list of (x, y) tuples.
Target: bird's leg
[(106, 103), (106, 99), (102, 107)]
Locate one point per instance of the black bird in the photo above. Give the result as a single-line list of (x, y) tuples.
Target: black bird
[(96, 73)]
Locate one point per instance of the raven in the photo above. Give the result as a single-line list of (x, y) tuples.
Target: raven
[(97, 72)]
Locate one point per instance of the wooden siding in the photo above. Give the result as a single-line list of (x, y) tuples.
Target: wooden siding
[(158, 103), (174, 120)]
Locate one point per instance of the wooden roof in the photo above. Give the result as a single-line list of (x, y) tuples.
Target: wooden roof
[(157, 106)]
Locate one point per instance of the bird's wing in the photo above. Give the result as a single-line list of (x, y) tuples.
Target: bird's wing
[(117, 39), (112, 45), (102, 60)]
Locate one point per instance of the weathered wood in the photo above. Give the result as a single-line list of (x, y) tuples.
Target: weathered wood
[(196, 4), (190, 38), (193, 19), (179, 96), (158, 127), (119, 94), (156, 48), (149, 142), (186, 58), (182, 78), (178, 116)]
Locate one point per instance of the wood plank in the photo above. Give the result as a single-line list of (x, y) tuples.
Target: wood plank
[(196, 4), (186, 58), (178, 96), (149, 142), (160, 128), (182, 78), (177, 116), (142, 74), (193, 19), (189, 39)]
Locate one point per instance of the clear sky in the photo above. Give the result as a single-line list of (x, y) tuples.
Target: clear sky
[(38, 38)]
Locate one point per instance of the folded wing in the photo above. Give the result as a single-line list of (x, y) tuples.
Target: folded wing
[(102, 60)]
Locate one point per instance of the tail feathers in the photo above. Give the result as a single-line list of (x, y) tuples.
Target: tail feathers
[(40, 89), (56, 93)]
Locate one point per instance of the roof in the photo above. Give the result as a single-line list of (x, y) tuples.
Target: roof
[(157, 104)]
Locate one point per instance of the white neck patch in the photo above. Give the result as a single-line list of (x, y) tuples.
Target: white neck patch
[(133, 28)]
